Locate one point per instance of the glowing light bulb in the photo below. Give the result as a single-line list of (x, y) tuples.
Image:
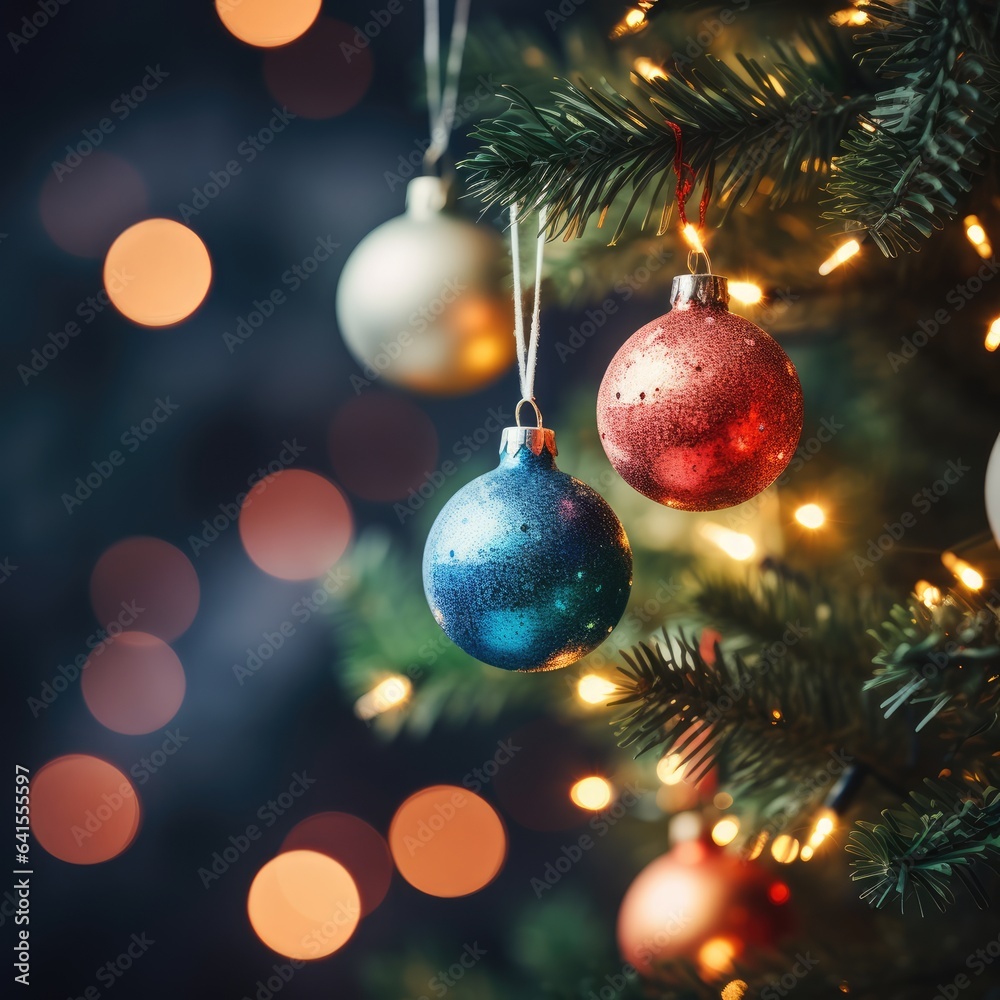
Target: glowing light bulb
[(843, 253), (725, 831), (635, 18), (593, 793), (387, 694), (693, 238), (968, 575), (736, 545), (648, 69), (823, 828), (993, 335), (810, 515), (927, 593), (716, 956), (785, 849), (806, 853), (850, 16), (670, 769), (976, 235), (745, 292), (594, 689)]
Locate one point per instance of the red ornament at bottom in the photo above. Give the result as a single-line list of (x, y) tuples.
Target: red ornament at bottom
[(700, 409)]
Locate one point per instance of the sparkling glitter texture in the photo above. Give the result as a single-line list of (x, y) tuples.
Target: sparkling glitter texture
[(527, 568), (700, 409)]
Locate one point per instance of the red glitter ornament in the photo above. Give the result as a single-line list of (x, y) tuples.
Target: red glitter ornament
[(700, 409)]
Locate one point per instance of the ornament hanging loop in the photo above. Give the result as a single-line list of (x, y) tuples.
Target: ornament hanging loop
[(534, 406), (692, 261)]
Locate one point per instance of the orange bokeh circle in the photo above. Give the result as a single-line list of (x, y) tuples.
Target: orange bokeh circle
[(267, 23)]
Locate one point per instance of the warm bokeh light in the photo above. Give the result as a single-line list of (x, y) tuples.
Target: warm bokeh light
[(383, 447), (735, 544), (849, 17), (722, 800), (757, 847), (806, 853), (592, 793), (353, 843), (295, 524), (157, 272), (746, 292), (725, 831), (594, 689), (785, 849), (840, 256), (387, 694), (693, 238), (735, 989), (927, 593), (715, 956), (303, 904), (779, 893), (648, 69), (992, 341), (133, 684), (84, 207), (976, 234), (822, 829), (267, 23), (633, 22), (968, 575), (810, 515), (447, 842), (322, 74), (145, 584), (83, 809), (670, 769)]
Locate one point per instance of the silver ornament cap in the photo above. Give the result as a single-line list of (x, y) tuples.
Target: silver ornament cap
[(426, 197), (535, 439), (711, 290)]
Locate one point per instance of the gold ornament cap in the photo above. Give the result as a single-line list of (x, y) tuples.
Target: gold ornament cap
[(427, 196), (711, 290)]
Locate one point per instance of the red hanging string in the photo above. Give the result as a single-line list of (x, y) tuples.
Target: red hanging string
[(686, 180)]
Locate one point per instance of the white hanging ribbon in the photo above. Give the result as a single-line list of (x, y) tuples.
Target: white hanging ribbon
[(441, 104), (527, 353)]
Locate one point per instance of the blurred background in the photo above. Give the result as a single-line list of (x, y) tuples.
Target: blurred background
[(290, 664)]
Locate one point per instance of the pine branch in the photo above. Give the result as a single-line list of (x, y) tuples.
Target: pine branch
[(921, 846), (778, 119), (946, 657), (912, 159)]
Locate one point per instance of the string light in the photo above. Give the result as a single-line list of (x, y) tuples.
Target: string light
[(733, 543), (670, 769), (785, 849), (824, 826), (648, 69), (387, 694), (757, 847), (746, 292), (593, 793), (993, 335), (928, 594), (811, 515), (806, 853), (725, 831), (977, 236), (716, 956), (594, 689), (843, 253), (634, 20), (693, 239), (966, 574), (850, 16)]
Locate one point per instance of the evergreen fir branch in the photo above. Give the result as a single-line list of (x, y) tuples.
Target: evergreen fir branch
[(926, 844), (907, 166), (944, 658), (780, 119)]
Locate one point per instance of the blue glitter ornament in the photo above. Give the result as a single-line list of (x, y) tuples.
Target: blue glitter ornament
[(527, 568)]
